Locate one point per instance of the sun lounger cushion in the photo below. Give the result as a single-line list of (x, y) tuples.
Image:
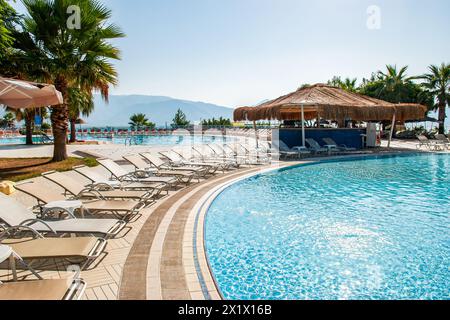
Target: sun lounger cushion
[(35, 290), (52, 247)]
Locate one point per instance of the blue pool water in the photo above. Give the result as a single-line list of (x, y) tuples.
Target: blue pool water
[(140, 140), (371, 229)]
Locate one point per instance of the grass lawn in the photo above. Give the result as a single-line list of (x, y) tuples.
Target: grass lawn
[(23, 169)]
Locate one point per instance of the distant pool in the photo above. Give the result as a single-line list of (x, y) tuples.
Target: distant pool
[(370, 229), (139, 140)]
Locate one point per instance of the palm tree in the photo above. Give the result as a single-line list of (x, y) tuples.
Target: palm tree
[(71, 57), (437, 84), (6, 12), (348, 84), (28, 116), (81, 102), (139, 120), (8, 120), (394, 84)]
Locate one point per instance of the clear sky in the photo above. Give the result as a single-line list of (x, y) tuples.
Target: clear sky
[(239, 52)]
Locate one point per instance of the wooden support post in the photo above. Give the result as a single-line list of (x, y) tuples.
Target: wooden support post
[(392, 130)]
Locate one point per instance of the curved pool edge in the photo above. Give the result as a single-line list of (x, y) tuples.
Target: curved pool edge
[(205, 203)]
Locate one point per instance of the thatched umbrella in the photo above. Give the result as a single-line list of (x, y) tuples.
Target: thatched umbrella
[(332, 103), (80, 122)]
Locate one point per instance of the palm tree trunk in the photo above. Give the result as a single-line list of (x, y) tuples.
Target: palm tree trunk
[(442, 117), (59, 117), (73, 131), (28, 129)]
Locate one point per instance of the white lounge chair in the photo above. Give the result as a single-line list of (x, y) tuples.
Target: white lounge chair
[(122, 209), (315, 147), (294, 152), (102, 182), (14, 214), (159, 164), (37, 248), (176, 159), (43, 290), (77, 190), (123, 175), (342, 147), (183, 177)]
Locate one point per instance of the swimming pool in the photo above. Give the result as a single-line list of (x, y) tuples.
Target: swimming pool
[(140, 140), (370, 229)]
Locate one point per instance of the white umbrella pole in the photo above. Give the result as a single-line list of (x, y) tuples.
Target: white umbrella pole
[(256, 134)]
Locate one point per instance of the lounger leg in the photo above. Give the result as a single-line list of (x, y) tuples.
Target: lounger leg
[(12, 264)]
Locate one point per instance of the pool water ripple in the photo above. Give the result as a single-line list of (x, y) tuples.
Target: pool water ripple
[(371, 229)]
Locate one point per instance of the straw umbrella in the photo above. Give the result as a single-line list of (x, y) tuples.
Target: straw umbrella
[(80, 121), (332, 103)]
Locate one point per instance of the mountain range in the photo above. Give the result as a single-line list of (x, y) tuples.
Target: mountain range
[(158, 109)]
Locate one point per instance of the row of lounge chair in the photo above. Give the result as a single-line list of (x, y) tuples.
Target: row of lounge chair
[(441, 143), (330, 147), (123, 194)]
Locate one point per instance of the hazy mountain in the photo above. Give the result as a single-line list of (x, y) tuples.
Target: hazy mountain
[(158, 109)]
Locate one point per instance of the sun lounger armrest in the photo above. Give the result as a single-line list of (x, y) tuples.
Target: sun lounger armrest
[(89, 192), (57, 209), (128, 177), (98, 248), (29, 222), (10, 231), (142, 174), (76, 290), (299, 149), (100, 187), (140, 205), (115, 230)]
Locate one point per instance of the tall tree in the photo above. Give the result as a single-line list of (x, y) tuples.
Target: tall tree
[(437, 84), (180, 119), (73, 55)]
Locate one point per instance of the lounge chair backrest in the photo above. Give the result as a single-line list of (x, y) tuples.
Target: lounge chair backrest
[(113, 167), (329, 141), (67, 183), (89, 173), (12, 212), (40, 191), (137, 161), (153, 159), (313, 144), (172, 156), (442, 137), (217, 149), (422, 138), (283, 146), (202, 150)]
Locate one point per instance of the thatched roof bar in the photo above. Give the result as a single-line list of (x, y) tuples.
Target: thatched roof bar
[(331, 103)]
